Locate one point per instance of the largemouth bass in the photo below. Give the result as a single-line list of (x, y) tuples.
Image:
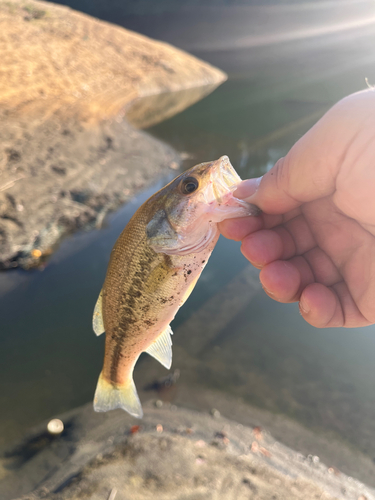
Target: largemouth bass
[(153, 268)]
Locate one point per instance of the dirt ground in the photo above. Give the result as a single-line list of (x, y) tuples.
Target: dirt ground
[(59, 178), (67, 154)]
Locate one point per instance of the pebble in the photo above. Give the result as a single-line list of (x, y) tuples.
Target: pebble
[(215, 413), (200, 443), (36, 253), (55, 426)]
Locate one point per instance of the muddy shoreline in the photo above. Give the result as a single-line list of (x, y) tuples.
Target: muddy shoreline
[(65, 177)]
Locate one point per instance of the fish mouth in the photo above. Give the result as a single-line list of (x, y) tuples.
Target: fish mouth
[(227, 174), (225, 178), (224, 182)]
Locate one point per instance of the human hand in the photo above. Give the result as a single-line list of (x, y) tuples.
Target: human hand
[(315, 241)]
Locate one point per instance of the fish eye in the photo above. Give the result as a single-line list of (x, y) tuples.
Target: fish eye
[(189, 185)]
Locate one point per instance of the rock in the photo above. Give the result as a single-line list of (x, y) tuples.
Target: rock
[(56, 59), (67, 154)]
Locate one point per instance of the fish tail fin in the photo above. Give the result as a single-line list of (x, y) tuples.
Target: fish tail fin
[(111, 396)]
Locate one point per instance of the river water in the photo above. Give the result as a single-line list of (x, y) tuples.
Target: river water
[(259, 351)]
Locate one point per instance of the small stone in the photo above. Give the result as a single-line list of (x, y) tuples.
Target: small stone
[(200, 443), (174, 165), (158, 403), (136, 481), (257, 431), (159, 428), (113, 494), (265, 452), (186, 156), (43, 492), (333, 470), (254, 447), (215, 413), (36, 253), (55, 426)]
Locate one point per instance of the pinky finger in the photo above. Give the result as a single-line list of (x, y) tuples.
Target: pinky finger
[(325, 307)]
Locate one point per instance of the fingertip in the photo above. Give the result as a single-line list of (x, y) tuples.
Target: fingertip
[(281, 280), (319, 306), (237, 229), (262, 247), (247, 188)]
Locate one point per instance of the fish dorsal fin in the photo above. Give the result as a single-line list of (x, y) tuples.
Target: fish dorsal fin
[(97, 319), (161, 348)]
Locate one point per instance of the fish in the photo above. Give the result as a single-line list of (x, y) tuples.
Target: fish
[(153, 268)]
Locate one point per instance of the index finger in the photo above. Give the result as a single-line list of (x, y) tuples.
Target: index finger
[(237, 229)]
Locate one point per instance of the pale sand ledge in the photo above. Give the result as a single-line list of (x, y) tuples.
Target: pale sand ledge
[(67, 154), (53, 58), (177, 454)]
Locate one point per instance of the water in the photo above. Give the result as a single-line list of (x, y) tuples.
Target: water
[(263, 353)]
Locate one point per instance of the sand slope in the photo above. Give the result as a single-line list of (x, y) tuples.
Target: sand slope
[(53, 58), (171, 454)]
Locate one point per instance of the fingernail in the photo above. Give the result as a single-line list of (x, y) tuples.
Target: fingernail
[(271, 294), (247, 188), (303, 307)]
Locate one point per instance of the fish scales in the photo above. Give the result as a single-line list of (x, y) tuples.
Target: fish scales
[(140, 286), (153, 268)]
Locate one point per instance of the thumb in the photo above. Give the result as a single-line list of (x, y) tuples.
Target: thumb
[(310, 169)]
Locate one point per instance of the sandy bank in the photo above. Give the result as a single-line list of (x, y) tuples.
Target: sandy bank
[(67, 154), (53, 58), (173, 453)]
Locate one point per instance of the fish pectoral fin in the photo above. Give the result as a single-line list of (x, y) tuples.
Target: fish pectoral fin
[(111, 396), (97, 319), (161, 348)]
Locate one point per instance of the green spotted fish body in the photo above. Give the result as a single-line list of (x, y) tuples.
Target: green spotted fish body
[(153, 268)]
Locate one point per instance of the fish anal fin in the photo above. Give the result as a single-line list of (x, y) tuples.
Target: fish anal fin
[(97, 319), (161, 348), (110, 396)]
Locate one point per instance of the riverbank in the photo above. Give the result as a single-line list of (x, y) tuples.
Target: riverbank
[(67, 152), (172, 453)]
